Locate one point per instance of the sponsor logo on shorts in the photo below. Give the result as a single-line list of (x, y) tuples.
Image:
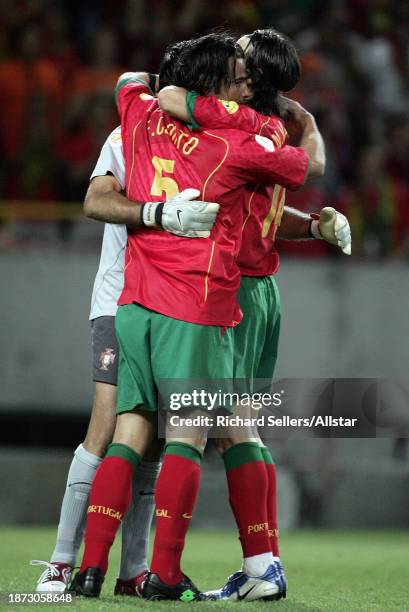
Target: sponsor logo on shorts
[(104, 510), (106, 359), (257, 528)]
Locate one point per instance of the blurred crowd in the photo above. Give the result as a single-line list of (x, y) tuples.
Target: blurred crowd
[(59, 61)]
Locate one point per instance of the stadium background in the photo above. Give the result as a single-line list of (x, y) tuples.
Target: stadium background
[(342, 317)]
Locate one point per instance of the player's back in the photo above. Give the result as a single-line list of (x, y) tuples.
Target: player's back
[(197, 280), (190, 279)]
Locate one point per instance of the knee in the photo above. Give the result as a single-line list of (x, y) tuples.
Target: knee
[(97, 442)]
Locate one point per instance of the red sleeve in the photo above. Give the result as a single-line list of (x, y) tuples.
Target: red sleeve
[(211, 113), (133, 96), (257, 159)]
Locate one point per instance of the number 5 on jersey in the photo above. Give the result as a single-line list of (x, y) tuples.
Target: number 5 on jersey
[(163, 183)]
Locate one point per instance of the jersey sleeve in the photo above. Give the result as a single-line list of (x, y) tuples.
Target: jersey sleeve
[(111, 158), (257, 159), (208, 112), (133, 97)]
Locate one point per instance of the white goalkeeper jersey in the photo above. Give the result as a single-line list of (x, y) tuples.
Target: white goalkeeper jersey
[(109, 280)]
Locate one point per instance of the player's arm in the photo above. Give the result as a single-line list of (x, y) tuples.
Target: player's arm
[(147, 79), (295, 225), (256, 159), (181, 215), (311, 139), (172, 101), (133, 97), (211, 113), (105, 202), (208, 112), (329, 225)]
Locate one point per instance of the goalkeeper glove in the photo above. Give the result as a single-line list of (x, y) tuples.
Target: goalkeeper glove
[(333, 227), (182, 215)]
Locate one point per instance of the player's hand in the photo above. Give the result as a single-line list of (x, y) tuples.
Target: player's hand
[(293, 110), (182, 215), (333, 227)]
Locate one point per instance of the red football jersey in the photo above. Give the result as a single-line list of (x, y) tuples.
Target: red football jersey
[(194, 280), (263, 205)]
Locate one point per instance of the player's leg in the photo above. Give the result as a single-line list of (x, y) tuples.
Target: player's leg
[(265, 370), (112, 486), (137, 523), (198, 352), (245, 457), (256, 340), (248, 488), (176, 494), (87, 458)]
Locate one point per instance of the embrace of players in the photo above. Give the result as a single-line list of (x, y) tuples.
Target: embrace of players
[(205, 160)]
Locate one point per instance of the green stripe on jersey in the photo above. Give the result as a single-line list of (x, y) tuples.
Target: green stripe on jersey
[(123, 82), (191, 98)]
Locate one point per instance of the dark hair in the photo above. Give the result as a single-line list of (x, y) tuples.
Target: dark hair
[(273, 66), (201, 64), (168, 69)]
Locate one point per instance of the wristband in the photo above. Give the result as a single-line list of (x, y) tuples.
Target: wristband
[(151, 214), (314, 230), (159, 214)]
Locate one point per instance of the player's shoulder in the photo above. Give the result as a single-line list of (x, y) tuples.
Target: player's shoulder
[(135, 82), (115, 137)]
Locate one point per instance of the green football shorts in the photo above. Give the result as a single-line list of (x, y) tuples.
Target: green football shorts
[(154, 347), (256, 337)]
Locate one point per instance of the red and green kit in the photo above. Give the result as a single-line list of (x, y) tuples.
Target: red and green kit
[(263, 205), (192, 280)]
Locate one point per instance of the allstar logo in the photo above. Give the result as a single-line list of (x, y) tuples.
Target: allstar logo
[(106, 359)]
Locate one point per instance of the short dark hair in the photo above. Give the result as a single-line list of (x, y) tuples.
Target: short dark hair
[(168, 71), (200, 64), (273, 66)]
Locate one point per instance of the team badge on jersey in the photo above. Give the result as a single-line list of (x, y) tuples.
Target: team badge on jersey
[(106, 359), (231, 106)]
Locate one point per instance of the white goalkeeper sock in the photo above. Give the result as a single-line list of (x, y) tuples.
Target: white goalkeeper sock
[(137, 521), (257, 565), (74, 506)]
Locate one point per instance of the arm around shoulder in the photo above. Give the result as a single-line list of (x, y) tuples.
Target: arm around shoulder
[(172, 101)]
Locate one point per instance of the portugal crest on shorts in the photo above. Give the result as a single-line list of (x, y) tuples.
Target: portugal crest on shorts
[(106, 358)]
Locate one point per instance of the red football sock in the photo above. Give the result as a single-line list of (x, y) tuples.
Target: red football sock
[(176, 492), (271, 500), (247, 480), (109, 500)]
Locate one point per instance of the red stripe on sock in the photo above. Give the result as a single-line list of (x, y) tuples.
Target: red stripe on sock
[(248, 499), (272, 508), (176, 493), (109, 500)]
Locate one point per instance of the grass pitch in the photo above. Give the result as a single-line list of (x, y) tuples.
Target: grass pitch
[(327, 571)]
